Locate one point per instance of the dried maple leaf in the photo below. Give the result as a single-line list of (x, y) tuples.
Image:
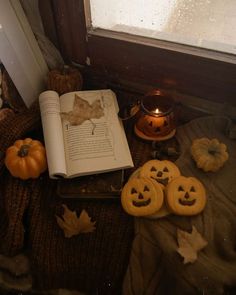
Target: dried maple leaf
[(83, 110), (190, 244), (73, 225)]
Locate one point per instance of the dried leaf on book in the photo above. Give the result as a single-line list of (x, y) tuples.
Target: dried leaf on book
[(73, 225), (83, 111), (190, 244)]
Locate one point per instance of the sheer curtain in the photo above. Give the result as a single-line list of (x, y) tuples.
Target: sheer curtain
[(51, 54)]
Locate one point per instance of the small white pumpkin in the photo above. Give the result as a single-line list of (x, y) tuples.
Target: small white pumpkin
[(209, 154)]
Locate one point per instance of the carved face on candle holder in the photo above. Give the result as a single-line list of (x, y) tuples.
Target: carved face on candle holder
[(156, 117)]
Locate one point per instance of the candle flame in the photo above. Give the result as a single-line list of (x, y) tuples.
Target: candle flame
[(156, 111)]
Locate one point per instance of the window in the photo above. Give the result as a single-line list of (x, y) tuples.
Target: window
[(136, 61), (205, 23)]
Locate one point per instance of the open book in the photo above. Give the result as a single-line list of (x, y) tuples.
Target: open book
[(83, 134)]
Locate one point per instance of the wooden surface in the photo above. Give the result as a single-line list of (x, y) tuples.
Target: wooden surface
[(198, 76)]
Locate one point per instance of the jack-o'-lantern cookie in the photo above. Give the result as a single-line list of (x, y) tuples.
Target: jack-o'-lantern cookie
[(162, 171), (141, 196), (185, 196), (164, 210)]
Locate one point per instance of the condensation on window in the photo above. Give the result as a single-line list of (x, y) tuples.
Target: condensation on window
[(203, 23)]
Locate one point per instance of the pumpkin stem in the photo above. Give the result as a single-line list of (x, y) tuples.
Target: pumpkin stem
[(24, 149), (212, 152)]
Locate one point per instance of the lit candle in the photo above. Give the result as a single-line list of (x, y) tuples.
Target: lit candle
[(156, 111), (156, 119)]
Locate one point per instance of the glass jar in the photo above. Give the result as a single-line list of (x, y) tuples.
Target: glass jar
[(155, 119)]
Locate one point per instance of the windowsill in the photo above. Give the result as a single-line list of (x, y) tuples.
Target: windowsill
[(168, 45)]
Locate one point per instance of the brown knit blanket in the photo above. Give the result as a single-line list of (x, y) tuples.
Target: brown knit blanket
[(94, 262), (155, 267)]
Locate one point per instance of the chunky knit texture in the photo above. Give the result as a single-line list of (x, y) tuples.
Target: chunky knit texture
[(155, 267), (93, 262), (16, 125), (12, 127)]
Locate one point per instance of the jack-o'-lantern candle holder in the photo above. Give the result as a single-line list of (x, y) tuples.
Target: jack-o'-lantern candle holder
[(156, 118)]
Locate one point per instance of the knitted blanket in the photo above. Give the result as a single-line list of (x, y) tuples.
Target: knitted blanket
[(94, 263), (155, 267)]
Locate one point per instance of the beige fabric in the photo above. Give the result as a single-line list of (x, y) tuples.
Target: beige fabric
[(155, 267), (51, 54)]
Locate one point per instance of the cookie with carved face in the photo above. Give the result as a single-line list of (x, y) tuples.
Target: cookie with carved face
[(164, 210), (185, 196), (162, 171), (141, 196)]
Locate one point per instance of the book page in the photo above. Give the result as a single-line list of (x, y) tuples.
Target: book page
[(95, 143), (53, 135)]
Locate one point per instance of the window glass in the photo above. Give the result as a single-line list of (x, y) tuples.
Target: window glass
[(204, 23)]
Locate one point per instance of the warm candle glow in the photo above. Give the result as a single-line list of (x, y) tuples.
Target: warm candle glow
[(155, 120), (156, 111)]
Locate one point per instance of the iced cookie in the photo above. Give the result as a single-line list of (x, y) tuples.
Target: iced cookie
[(141, 196), (160, 171), (163, 211), (185, 196)]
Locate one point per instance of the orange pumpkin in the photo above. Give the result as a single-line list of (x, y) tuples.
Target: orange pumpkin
[(26, 158)]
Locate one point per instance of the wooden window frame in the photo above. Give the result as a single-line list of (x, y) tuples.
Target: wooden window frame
[(140, 62)]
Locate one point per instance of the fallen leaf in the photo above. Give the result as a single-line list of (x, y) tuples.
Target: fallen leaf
[(73, 225), (83, 110), (190, 244)]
